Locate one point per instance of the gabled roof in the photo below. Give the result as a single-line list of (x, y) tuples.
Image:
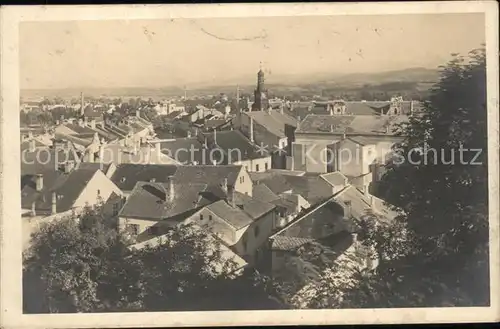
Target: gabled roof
[(79, 129), (68, 188), (84, 142), (211, 175), (232, 215), (252, 207), (180, 150), (122, 154), (91, 112), (151, 201), (234, 146), (276, 182), (349, 124), (288, 243), (263, 193), (127, 175), (312, 188), (335, 178), (46, 159), (273, 121)]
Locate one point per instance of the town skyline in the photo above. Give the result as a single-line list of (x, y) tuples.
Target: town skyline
[(101, 53)]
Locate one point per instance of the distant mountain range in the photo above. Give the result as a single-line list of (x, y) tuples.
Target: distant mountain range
[(310, 82)]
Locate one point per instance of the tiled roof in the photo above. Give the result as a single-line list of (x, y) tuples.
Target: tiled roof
[(359, 203), (252, 207), (360, 124), (79, 129), (233, 215), (211, 175), (273, 121), (75, 140), (91, 112), (288, 243), (335, 178), (46, 159), (68, 188), (234, 146), (180, 150), (263, 193), (151, 201), (144, 155), (276, 182), (373, 140), (312, 188), (127, 175)]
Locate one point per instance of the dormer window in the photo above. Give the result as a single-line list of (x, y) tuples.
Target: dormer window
[(122, 180)]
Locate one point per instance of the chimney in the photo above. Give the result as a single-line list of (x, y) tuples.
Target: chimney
[(69, 166), (251, 130), (269, 109), (137, 113), (196, 132), (230, 195), (80, 122), (188, 134), (215, 136), (331, 128), (32, 145), (30, 135), (54, 203), (387, 129), (365, 190), (214, 162), (282, 105), (171, 190), (39, 182), (91, 156), (33, 208), (82, 107), (158, 149), (411, 107), (347, 209), (224, 185), (92, 124), (344, 135)]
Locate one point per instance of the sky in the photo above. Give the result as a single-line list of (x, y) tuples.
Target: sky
[(162, 53)]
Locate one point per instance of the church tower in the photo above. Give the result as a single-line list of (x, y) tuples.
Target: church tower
[(261, 101)]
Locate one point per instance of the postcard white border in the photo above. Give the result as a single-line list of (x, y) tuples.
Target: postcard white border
[(11, 303)]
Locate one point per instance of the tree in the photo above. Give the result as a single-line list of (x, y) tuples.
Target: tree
[(83, 264), (71, 261), (441, 185)]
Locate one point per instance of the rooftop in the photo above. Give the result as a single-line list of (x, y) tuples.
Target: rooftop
[(152, 201), (349, 124), (67, 186)]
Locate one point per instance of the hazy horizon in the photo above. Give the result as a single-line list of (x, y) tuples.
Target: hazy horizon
[(201, 52)]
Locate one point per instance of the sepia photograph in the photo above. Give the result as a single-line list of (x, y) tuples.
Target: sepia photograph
[(194, 162)]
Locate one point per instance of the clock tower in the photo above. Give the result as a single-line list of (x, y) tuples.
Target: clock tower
[(261, 101)]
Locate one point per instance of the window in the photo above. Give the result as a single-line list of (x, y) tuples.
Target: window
[(201, 216), (209, 217), (98, 193), (257, 168), (257, 231), (153, 230), (116, 208), (244, 243), (132, 229), (265, 166), (242, 179)]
